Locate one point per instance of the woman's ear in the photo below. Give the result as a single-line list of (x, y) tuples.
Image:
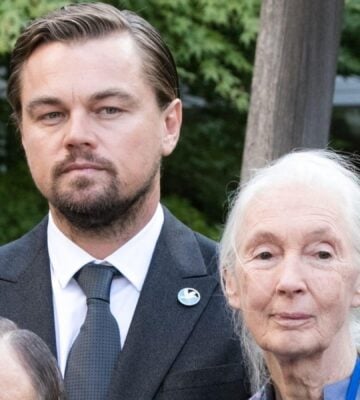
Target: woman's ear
[(232, 289), (356, 296)]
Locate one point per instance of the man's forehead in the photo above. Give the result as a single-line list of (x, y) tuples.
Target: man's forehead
[(114, 57), (121, 39)]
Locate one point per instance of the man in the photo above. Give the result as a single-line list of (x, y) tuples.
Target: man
[(95, 95)]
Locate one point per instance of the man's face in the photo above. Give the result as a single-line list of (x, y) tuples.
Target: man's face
[(92, 130)]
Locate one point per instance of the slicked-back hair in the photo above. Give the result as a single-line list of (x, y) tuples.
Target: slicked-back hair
[(86, 21), (35, 358)]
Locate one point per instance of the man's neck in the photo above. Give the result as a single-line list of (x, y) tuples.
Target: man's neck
[(102, 243)]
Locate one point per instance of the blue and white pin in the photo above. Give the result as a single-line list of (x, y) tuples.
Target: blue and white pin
[(188, 297)]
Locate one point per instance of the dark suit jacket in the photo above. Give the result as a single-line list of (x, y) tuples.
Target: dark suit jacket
[(172, 352)]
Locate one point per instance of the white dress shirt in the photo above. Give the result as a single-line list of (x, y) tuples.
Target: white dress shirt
[(66, 258)]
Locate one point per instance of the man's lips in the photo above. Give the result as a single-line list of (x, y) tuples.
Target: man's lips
[(81, 166)]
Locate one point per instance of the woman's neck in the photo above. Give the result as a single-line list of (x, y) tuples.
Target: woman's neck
[(305, 377)]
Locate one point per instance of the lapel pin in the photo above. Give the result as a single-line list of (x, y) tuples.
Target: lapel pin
[(188, 297)]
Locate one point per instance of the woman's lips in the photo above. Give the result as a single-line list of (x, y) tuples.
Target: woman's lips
[(291, 320)]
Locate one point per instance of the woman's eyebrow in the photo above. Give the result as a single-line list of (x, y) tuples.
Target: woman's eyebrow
[(324, 231), (260, 237)]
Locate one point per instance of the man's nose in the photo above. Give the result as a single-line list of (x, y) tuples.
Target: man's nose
[(291, 277), (79, 131)]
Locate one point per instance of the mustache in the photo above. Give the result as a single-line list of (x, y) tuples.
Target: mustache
[(82, 156)]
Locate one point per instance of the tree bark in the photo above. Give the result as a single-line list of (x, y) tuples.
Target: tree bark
[(293, 82)]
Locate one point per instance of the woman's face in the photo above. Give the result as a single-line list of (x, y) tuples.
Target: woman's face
[(296, 280)]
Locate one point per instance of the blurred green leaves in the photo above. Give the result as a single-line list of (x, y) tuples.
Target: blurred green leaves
[(213, 42), (14, 14), (349, 55), (20, 204)]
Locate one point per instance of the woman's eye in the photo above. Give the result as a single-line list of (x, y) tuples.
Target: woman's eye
[(264, 255), (324, 255)]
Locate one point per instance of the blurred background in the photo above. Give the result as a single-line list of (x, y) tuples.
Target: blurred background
[(213, 42)]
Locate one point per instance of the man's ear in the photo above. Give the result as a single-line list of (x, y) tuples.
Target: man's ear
[(172, 122), (232, 289)]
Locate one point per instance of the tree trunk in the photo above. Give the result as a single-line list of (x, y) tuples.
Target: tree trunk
[(293, 82)]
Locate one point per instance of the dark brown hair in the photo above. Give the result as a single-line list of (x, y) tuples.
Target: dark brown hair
[(84, 21)]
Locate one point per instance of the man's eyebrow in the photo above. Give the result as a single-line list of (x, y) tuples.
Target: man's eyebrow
[(42, 101), (104, 94), (120, 94)]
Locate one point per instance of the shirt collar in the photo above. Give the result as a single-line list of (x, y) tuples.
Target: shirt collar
[(67, 258)]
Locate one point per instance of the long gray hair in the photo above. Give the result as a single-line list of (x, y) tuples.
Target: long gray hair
[(321, 169)]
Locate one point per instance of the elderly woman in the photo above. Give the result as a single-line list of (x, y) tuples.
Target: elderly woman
[(290, 262), (28, 371)]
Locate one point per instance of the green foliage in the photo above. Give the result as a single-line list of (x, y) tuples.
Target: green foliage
[(207, 161), (20, 204), (213, 40), (213, 43), (191, 216), (14, 15), (349, 60)]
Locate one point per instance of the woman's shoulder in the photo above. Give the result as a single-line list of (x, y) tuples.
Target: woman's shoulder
[(257, 396), (266, 393)]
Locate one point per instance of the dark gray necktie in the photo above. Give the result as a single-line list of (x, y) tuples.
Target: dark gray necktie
[(95, 351)]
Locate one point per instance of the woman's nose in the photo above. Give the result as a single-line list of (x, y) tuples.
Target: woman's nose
[(291, 277)]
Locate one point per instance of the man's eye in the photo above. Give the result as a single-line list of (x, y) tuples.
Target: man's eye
[(51, 118), (110, 110), (52, 115)]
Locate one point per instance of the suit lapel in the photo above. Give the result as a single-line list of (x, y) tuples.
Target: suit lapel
[(161, 325), (25, 285)]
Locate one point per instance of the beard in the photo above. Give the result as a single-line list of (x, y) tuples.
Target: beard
[(98, 211)]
